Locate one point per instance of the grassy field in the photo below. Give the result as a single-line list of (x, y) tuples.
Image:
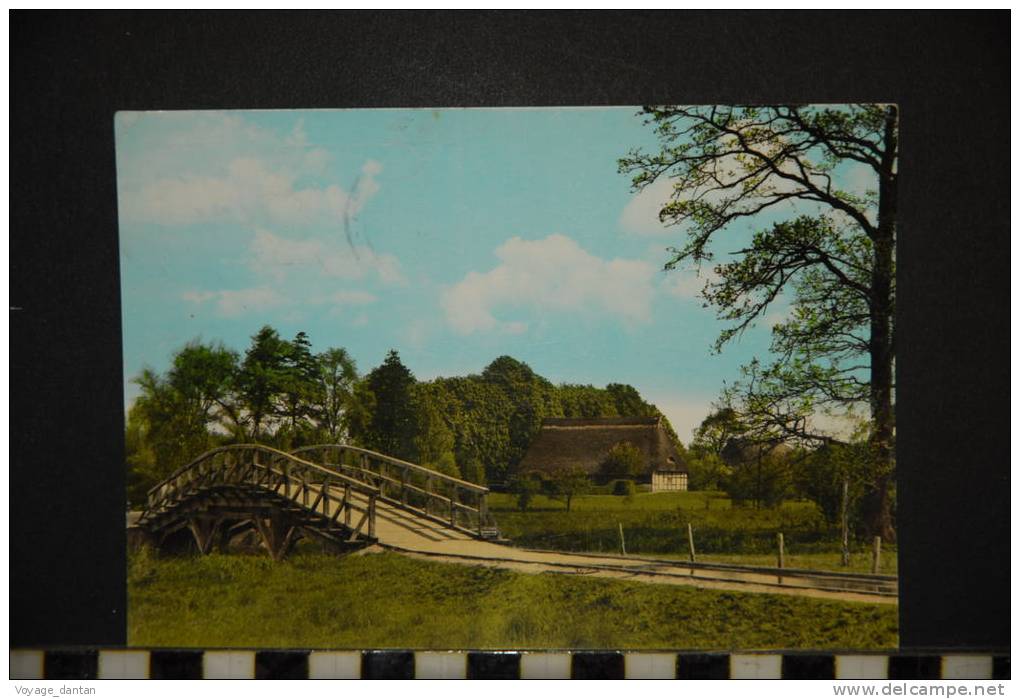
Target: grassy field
[(655, 524), (315, 600)]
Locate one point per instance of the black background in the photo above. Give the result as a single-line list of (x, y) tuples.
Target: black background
[(949, 72)]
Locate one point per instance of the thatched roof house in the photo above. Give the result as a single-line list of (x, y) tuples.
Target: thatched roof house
[(585, 442)]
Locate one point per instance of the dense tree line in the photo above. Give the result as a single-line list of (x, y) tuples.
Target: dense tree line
[(728, 454), (282, 393)]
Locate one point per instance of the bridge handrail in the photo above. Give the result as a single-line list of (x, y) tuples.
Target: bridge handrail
[(465, 485), (360, 486), (464, 504)]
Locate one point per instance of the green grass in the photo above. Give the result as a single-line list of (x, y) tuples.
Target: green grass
[(655, 524), (314, 600)]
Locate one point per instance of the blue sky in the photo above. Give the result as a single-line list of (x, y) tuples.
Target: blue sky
[(452, 236)]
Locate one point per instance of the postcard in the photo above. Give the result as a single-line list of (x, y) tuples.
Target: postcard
[(537, 378)]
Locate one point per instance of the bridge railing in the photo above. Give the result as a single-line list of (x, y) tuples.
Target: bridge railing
[(312, 486), (454, 502)]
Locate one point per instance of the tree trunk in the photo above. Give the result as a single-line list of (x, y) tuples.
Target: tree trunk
[(877, 504)]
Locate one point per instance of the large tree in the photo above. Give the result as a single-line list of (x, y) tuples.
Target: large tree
[(334, 388), (393, 424), (831, 256), (263, 378)]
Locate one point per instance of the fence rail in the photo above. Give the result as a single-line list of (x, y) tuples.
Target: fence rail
[(437, 496)]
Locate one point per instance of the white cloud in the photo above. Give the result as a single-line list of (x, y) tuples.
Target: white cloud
[(641, 214), (218, 168), (231, 303), (515, 327), (198, 296), (779, 313), (297, 136), (278, 256), (552, 274), (416, 333), (236, 302), (249, 192), (352, 298), (688, 282)]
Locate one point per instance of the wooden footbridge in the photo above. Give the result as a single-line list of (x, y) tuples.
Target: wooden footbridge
[(342, 495), (347, 497)]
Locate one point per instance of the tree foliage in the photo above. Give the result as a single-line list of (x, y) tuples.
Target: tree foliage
[(758, 473), (569, 482), (707, 469), (333, 389), (820, 477), (392, 427), (281, 393), (434, 438), (625, 461), (832, 259)]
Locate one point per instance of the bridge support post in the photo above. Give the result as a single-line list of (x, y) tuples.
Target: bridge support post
[(483, 513), (204, 529), (371, 516), (277, 532), (453, 506)]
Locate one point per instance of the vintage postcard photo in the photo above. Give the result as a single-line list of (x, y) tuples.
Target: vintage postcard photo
[(543, 378)]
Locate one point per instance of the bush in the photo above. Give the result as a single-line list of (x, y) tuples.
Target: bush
[(525, 488), (707, 471), (624, 487)]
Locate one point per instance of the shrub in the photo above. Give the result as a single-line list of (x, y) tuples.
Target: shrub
[(525, 488), (624, 486)]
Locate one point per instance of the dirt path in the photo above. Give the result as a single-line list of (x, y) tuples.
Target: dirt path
[(416, 536)]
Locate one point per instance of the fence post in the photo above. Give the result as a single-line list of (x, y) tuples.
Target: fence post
[(623, 544), (844, 524), (483, 513), (779, 539), (876, 555), (690, 542), (371, 516), (453, 508)]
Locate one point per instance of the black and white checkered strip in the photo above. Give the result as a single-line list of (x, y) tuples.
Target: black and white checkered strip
[(247, 664)]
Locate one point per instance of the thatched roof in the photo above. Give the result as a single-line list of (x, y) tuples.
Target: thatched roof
[(585, 442)]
